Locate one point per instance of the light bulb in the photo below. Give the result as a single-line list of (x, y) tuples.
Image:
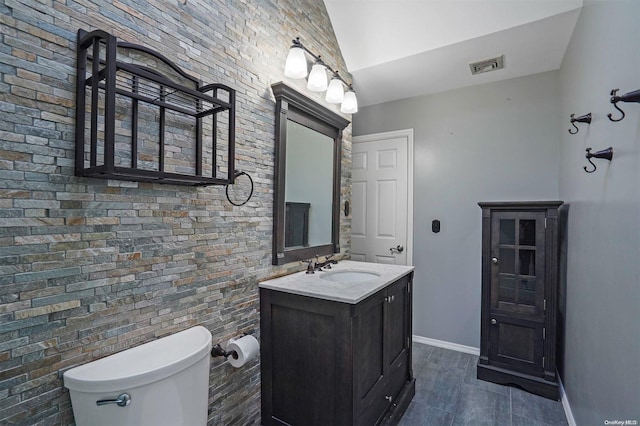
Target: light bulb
[(335, 92), (296, 64), (317, 78), (349, 103)]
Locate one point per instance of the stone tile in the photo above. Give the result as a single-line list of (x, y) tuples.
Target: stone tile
[(535, 408), (446, 358), (471, 379), (420, 355), (419, 414), (480, 407), (438, 387)]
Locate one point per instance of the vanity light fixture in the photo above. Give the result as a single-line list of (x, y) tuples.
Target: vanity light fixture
[(350, 102), (296, 67), (318, 77), (335, 91), (296, 64)]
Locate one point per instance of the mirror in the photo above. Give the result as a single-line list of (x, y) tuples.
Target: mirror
[(307, 177)]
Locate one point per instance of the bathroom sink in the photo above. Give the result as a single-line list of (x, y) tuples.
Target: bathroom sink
[(349, 276)]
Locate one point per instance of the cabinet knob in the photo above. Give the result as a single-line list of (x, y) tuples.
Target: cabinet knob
[(493, 321), (388, 398), (494, 260)]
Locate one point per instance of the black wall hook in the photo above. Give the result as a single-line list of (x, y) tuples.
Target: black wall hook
[(605, 153), (582, 119), (627, 97)]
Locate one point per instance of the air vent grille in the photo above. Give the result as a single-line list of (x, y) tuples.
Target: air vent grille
[(487, 65)]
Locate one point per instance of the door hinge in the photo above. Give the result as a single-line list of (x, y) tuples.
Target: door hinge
[(545, 223), (544, 333), (543, 362), (544, 305), (409, 287), (408, 342)]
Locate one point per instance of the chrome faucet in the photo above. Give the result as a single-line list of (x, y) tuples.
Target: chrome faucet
[(310, 266), (316, 265), (326, 264)]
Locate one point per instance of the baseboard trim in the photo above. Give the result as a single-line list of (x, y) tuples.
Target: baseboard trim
[(565, 404), (447, 345)]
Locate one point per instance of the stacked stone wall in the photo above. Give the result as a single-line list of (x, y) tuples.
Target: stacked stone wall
[(90, 267)]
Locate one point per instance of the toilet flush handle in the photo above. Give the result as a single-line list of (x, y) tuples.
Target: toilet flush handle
[(122, 400)]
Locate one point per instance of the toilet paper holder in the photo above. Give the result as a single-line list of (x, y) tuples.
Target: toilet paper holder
[(239, 350), (217, 350)]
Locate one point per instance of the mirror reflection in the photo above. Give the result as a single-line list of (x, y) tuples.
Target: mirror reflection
[(308, 187), (308, 153)]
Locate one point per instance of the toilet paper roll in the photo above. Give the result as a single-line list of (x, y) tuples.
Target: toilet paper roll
[(245, 348)]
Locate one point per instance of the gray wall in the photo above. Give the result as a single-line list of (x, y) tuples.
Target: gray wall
[(491, 142), (601, 364), (89, 267), (602, 352)]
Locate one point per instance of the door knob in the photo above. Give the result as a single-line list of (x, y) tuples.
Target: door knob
[(494, 260), (388, 398), (493, 321), (398, 249)]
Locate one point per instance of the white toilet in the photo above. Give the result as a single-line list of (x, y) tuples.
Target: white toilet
[(163, 382)]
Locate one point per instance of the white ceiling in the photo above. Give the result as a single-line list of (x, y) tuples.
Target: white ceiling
[(397, 49)]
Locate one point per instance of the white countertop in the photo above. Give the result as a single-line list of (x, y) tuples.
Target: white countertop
[(313, 285)]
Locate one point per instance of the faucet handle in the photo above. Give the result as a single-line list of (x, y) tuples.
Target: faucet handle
[(310, 267)]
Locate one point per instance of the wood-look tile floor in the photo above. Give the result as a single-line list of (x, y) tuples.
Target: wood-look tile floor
[(448, 393)]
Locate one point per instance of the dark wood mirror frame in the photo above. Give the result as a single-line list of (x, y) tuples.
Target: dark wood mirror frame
[(293, 106)]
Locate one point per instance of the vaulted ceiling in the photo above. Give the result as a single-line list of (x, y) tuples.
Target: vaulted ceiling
[(397, 49)]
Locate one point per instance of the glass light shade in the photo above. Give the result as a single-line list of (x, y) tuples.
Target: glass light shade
[(349, 103), (335, 92), (317, 78), (296, 64)]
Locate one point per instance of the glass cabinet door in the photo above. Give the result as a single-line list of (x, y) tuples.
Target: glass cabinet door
[(517, 250)]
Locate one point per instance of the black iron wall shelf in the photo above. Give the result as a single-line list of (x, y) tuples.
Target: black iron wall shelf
[(135, 122)]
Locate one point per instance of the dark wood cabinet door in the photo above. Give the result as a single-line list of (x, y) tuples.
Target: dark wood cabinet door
[(370, 358), (517, 344), (397, 336), (517, 290)]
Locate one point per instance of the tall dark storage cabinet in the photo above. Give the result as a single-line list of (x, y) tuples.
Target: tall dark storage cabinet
[(520, 295)]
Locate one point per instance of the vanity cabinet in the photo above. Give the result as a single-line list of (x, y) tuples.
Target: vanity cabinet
[(327, 362), (520, 295)]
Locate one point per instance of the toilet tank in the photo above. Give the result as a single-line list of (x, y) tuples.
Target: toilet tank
[(163, 382)]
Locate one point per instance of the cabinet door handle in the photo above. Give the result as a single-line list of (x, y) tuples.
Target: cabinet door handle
[(494, 260), (493, 321)]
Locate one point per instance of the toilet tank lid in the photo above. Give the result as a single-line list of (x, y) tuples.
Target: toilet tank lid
[(141, 365)]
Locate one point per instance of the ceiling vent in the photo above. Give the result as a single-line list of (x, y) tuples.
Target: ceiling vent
[(487, 65)]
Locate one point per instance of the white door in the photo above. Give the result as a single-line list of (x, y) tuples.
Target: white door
[(382, 198)]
